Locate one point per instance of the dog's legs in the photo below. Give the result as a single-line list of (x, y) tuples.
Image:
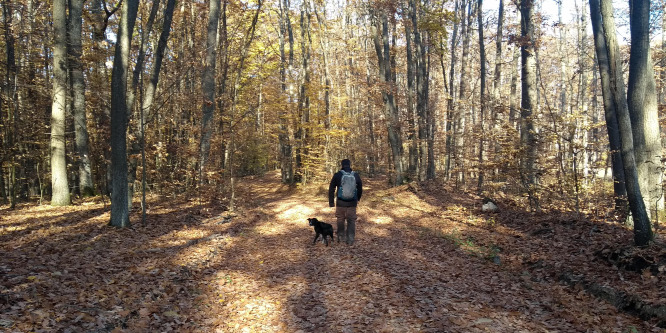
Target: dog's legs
[(315, 240)]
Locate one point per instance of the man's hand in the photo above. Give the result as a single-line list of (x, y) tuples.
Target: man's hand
[(330, 204)]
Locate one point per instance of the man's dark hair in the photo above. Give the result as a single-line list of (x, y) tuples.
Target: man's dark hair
[(346, 163)]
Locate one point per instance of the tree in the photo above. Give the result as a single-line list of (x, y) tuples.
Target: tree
[(208, 84), (642, 101), (119, 206), (79, 98), (60, 196), (610, 109), (482, 60), (285, 146), (528, 101), (382, 49), (642, 230)]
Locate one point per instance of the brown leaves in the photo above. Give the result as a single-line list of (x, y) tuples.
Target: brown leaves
[(421, 264)]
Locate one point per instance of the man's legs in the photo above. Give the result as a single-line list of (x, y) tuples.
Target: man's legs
[(340, 215), (351, 224)]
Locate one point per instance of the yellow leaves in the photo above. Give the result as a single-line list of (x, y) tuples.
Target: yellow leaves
[(170, 314)]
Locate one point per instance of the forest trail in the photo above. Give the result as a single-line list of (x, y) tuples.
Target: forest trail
[(425, 260)]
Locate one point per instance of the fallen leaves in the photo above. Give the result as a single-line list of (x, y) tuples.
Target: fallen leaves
[(422, 263)]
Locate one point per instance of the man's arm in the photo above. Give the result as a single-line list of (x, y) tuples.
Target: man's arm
[(359, 187), (331, 191)]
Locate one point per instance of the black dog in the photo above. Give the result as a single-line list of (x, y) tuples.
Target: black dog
[(321, 228)]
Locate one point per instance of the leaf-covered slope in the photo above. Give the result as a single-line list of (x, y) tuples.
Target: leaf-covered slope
[(425, 260)]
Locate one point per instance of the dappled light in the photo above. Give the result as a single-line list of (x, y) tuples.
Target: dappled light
[(422, 262)]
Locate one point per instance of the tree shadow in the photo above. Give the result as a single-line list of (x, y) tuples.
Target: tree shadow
[(259, 271)]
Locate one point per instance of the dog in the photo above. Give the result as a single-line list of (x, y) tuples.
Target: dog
[(321, 228)]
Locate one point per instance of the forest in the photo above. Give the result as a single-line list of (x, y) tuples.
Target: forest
[(159, 160)]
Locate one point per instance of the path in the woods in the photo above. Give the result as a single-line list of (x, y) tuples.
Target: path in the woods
[(402, 275), (422, 262)]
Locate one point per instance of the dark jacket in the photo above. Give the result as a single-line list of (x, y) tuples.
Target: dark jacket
[(335, 183)]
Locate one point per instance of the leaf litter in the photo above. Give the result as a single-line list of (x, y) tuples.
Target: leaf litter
[(426, 260)]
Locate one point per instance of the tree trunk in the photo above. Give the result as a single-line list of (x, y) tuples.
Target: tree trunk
[(382, 48), (119, 206), (149, 94), (413, 159), (208, 84), (11, 100), (451, 105), (642, 102), (137, 134), (78, 101), (610, 111), (641, 219), (60, 196), (528, 102), (482, 94)]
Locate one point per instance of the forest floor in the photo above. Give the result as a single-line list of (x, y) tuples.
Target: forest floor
[(426, 259)]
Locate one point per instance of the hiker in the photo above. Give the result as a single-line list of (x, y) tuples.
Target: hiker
[(349, 193)]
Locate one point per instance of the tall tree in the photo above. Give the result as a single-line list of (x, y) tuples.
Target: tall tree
[(610, 110), (208, 84), (119, 205), (137, 134), (482, 94), (451, 105), (60, 195), (641, 220), (528, 102), (642, 101), (79, 98), (383, 51), (149, 94), (285, 146), (11, 101)]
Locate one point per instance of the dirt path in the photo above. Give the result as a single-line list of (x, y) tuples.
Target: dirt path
[(402, 275), (424, 261)]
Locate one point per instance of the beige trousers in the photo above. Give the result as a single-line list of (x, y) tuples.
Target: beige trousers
[(348, 214)]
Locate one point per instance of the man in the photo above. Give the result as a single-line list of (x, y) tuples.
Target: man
[(349, 192)]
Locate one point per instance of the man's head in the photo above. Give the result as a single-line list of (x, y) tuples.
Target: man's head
[(346, 163)]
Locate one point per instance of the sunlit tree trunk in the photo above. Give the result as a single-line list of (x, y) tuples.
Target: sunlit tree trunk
[(482, 95), (119, 206), (60, 195), (528, 102)]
